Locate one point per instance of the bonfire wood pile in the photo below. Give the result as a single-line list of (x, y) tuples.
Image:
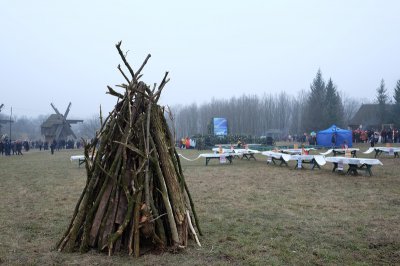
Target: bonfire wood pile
[(136, 198)]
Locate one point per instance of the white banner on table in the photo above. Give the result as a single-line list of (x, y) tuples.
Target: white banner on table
[(222, 159), (340, 165), (391, 151), (269, 159), (299, 163)]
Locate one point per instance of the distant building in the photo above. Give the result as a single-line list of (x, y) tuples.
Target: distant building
[(57, 127), (367, 117)]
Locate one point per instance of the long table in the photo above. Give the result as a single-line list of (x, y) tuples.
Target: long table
[(354, 164), (209, 156), (295, 151), (80, 158), (274, 157), (379, 150), (283, 158), (335, 151), (314, 160), (245, 153)]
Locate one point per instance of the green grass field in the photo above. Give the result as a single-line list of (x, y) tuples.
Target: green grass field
[(251, 213)]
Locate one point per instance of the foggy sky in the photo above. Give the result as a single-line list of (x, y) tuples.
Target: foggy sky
[(62, 51)]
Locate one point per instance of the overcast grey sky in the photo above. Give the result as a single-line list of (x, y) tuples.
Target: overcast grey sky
[(61, 51)]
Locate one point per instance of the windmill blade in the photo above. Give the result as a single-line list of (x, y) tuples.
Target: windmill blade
[(55, 109), (74, 121), (58, 131), (67, 111), (69, 130)]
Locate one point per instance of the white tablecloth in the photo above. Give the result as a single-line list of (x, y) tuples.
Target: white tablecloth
[(214, 155), (206, 155), (276, 155), (318, 158), (339, 150), (295, 151), (77, 157), (347, 160), (383, 149), (241, 151)]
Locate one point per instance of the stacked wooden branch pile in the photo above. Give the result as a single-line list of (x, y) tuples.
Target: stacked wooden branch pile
[(136, 198)]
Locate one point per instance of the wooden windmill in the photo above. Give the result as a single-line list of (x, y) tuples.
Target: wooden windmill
[(57, 126), (5, 121)]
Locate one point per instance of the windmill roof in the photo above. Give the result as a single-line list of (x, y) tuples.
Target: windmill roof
[(53, 119)]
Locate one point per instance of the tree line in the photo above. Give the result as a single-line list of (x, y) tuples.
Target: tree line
[(253, 115), (312, 110)]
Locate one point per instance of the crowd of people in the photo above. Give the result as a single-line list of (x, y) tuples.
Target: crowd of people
[(13, 147), (16, 147), (386, 135), (390, 135), (187, 143)]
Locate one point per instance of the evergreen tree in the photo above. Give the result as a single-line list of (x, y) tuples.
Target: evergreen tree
[(396, 94), (333, 106), (381, 96), (314, 115), (382, 99), (396, 107)]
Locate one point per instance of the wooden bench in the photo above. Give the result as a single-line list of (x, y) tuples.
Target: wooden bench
[(314, 160), (274, 157), (210, 156), (379, 150), (355, 164)]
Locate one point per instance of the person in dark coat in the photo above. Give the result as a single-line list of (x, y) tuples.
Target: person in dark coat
[(333, 140), (7, 148), (53, 145), (372, 141), (14, 147), (18, 145)]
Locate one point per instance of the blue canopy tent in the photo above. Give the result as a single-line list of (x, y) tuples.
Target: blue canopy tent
[(324, 137)]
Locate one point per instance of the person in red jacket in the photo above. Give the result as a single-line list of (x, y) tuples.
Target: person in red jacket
[(187, 143)]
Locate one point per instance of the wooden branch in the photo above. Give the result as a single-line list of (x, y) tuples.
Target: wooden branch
[(123, 74), (136, 237), (101, 116), (113, 238), (147, 181), (114, 93), (192, 229), (163, 80), (158, 94), (142, 66), (196, 220), (132, 148), (122, 86), (118, 45), (164, 193)]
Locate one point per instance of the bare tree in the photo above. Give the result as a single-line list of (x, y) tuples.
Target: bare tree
[(350, 108), (88, 128)]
